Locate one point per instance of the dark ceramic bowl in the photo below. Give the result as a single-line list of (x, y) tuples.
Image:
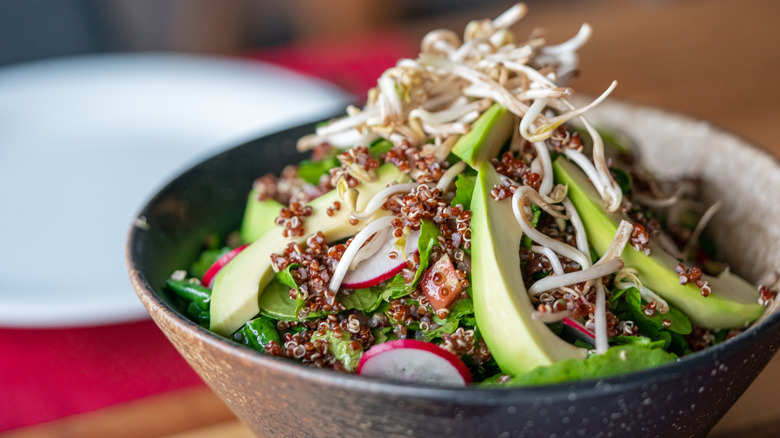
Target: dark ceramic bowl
[(276, 397)]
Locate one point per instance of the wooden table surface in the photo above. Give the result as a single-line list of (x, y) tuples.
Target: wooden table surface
[(714, 59)]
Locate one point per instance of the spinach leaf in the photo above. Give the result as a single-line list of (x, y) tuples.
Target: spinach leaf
[(617, 360), (312, 170), (464, 188), (628, 306), (632, 298), (275, 302), (641, 341), (365, 300)]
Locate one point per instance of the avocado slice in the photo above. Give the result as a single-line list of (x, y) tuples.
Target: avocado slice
[(259, 217), (234, 298), (488, 135), (733, 302), (502, 307)]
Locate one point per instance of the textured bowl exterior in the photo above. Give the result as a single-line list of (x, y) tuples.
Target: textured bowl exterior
[(275, 397)]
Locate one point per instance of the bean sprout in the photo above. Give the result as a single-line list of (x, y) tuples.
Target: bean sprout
[(555, 281), (357, 243), (380, 198), (450, 174), (555, 262), (524, 193)]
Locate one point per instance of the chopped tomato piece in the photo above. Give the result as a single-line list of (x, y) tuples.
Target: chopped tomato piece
[(441, 284)]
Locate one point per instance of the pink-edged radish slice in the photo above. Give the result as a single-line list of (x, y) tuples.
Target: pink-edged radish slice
[(411, 360), (213, 270), (579, 331), (381, 265)]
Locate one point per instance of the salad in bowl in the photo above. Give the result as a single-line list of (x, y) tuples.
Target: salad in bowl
[(469, 225)]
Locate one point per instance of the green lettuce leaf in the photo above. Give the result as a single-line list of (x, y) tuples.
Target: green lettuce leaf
[(461, 308), (339, 347), (429, 233)]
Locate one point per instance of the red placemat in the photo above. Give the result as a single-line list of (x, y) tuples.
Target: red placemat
[(47, 374), (352, 62)]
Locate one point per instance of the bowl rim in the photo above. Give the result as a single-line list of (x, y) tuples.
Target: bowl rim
[(499, 394)]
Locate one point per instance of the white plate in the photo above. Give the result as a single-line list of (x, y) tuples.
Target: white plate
[(85, 141)]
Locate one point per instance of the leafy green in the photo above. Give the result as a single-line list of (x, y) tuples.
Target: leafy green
[(461, 308), (429, 233), (537, 211), (202, 317), (622, 178), (275, 302), (206, 259), (627, 305), (640, 341), (311, 171), (340, 348), (383, 334), (464, 188), (461, 314), (448, 325), (365, 300), (192, 292), (285, 276), (395, 288), (632, 304), (379, 147), (257, 333), (617, 360)]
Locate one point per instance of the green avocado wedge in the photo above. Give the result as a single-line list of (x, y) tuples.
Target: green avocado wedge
[(502, 307), (488, 135), (237, 287), (733, 302), (259, 217)]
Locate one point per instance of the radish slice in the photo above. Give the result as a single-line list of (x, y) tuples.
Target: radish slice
[(213, 270), (380, 266), (579, 331), (414, 361)]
